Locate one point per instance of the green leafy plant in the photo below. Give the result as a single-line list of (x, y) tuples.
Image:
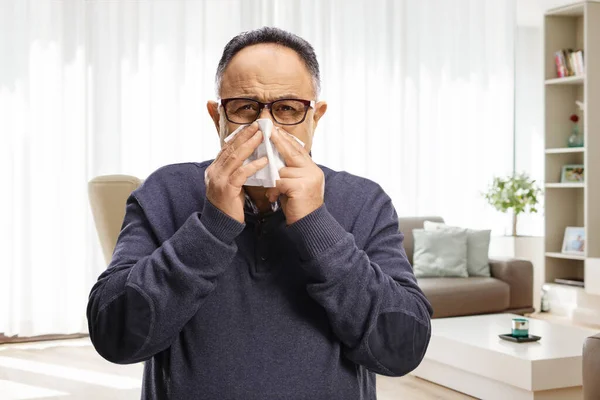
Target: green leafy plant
[(516, 193)]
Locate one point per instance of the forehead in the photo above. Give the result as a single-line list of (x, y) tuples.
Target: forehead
[(266, 71)]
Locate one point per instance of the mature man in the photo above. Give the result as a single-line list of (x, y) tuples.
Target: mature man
[(300, 291)]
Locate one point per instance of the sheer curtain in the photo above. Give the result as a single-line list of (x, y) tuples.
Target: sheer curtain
[(420, 100)]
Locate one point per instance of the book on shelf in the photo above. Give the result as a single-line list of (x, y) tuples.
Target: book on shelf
[(569, 62)]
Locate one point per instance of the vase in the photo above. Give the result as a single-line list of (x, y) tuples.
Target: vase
[(576, 138)]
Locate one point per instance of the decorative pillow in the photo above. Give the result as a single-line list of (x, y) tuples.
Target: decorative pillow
[(478, 247), (441, 253)]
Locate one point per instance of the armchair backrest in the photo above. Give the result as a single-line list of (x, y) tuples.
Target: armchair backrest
[(591, 368), (108, 195)]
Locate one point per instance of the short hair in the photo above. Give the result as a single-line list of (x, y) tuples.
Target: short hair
[(270, 35)]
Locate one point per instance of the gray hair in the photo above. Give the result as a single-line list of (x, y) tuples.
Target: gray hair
[(270, 35)]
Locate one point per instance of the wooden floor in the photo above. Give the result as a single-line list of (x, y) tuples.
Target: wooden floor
[(71, 369), (413, 388)]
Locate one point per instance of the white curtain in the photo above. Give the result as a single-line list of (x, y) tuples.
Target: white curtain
[(420, 100)]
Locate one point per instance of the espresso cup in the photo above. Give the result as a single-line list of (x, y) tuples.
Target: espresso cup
[(520, 327)]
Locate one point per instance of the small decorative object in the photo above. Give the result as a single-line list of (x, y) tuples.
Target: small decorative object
[(574, 241), (524, 339), (572, 173), (520, 327), (576, 138), (517, 193), (545, 306), (520, 332)]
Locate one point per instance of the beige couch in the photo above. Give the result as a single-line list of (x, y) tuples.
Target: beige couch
[(509, 289)]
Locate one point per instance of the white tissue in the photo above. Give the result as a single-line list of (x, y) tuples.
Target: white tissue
[(267, 176)]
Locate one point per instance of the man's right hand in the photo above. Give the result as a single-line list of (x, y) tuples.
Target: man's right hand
[(226, 176)]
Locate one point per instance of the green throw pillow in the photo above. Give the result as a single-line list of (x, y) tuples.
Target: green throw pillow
[(440, 253), (478, 247)]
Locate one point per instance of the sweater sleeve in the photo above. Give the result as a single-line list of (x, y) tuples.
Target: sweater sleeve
[(371, 296), (149, 291)]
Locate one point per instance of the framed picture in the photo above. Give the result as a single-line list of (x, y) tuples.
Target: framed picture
[(572, 173), (574, 241)]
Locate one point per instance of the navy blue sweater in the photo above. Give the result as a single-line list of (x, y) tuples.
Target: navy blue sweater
[(221, 310)]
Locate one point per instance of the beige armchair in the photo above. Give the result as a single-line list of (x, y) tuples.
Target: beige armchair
[(591, 368), (108, 195)]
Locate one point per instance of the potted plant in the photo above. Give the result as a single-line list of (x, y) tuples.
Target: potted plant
[(516, 194)]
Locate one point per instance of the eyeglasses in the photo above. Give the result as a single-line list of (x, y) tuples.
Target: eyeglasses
[(284, 111)]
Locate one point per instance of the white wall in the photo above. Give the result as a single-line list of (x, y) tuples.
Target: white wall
[(529, 98)]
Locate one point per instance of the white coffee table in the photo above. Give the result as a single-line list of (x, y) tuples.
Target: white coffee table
[(466, 354)]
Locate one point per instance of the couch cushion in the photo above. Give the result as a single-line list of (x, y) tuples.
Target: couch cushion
[(452, 297), (406, 226), (441, 253), (478, 247)]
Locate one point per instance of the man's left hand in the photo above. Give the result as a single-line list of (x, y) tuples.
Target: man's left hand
[(302, 183)]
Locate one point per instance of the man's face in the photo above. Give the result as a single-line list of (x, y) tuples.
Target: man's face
[(268, 72)]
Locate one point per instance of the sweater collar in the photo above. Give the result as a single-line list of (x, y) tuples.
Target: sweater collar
[(252, 208)]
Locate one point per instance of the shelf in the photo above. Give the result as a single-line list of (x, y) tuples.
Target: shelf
[(571, 10), (570, 80), (565, 256), (554, 285), (565, 150), (565, 185)]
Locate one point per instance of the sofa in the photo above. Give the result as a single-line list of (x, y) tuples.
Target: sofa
[(508, 290)]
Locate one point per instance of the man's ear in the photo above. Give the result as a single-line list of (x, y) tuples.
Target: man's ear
[(213, 109), (320, 109)]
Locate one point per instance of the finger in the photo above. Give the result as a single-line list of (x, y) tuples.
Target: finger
[(293, 139), (286, 185), (240, 175), (292, 152), (272, 194), (291, 172), (283, 199), (236, 157), (243, 136)]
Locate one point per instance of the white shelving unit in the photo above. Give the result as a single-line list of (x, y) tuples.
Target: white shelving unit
[(573, 185), (571, 80), (565, 256), (563, 150), (575, 26)]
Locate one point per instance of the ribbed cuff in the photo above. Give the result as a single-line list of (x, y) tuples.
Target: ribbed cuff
[(219, 224), (316, 232)]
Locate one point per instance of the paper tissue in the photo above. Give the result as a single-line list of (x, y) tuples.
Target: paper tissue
[(267, 176)]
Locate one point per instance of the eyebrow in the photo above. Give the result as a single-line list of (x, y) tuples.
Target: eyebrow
[(283, 96)]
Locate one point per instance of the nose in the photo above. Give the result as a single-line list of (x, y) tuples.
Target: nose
[(265, 113)]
